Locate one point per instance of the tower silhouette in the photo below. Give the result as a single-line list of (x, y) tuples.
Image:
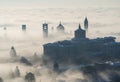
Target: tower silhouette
[(24, 27), (45, 30), (13, 52), (60, 27), (80, 33), (86, 24)]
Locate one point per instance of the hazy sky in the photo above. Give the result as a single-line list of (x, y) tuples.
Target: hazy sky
[(57, 3)]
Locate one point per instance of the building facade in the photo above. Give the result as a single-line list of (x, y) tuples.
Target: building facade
[(81, 46)]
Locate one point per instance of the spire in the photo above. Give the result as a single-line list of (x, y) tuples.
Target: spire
[(60, 27), (60, 23), (86, 24), (79, 26), (86, 19)]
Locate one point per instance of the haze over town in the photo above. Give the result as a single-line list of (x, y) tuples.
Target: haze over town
[(103, 17)]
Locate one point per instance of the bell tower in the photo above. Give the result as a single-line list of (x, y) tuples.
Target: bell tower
[(80, 33), (86, 24), (24, 27), (45, 30)]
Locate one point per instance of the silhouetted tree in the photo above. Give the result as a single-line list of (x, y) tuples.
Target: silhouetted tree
[(1, 80), (17, 72), (25, 61), (55, 66), (36, 57), (115, 77), (30, 77), (11, 74), (90, 72)]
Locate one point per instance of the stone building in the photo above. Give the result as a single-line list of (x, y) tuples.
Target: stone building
[(80, 46)]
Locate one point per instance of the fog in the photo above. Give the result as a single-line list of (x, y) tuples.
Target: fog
[(102, 22)]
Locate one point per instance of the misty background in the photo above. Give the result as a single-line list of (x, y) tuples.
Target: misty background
[(103, 17)]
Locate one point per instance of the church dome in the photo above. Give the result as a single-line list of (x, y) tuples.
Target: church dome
[(60, 27)]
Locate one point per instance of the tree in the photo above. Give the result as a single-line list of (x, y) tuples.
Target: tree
[(114, 77), (1, 80), (36, 57), (30, 77), (56, 66), (25, 61), (17, 72)]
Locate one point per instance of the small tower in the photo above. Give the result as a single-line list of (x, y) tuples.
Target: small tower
[(24, 27), (86, 24), (60, 28), (80, 33), (13, 52), (45, 30)]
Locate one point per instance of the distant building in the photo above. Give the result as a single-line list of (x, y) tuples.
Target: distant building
[(86, 24), (45, 30), (60, 28), (80, 33), (81, 46), (23, 27)]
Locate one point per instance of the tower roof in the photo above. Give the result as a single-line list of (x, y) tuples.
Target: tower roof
[(60, 27), (86, 20), (79, 28)]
